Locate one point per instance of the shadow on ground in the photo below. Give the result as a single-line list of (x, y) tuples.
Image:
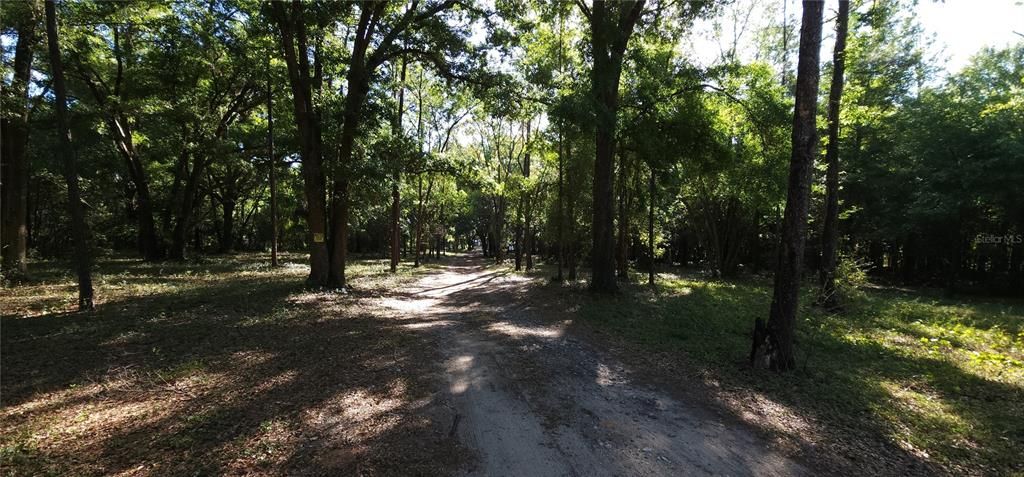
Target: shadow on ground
[(243, 373), (853, 406)]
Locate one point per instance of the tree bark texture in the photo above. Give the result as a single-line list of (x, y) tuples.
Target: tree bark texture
[(14, 168), (773, 345), (293, 42), (79, 230), (611, 25), (830, 234)]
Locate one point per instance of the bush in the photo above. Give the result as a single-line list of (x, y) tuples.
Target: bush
[(851, 275)]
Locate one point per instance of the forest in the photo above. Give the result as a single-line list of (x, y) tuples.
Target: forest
[(507, 237)]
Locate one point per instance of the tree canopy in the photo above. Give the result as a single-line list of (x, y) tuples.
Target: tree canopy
[(577, 133)]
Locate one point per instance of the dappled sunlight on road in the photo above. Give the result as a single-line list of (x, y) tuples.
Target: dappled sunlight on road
[(520, 331), (425, 325), (460, 368), (608, 377), (408, 305)]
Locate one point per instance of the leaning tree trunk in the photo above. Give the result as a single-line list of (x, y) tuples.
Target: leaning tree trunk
[(773, 343), (79, 231), (15, 170), (830, 234)]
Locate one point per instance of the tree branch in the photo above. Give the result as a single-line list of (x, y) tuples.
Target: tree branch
[(586, 11)]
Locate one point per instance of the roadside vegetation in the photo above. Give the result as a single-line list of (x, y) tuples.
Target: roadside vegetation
[(940, 378)]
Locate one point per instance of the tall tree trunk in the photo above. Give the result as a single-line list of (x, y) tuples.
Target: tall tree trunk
[(149, 243), (605, 79), (561, 167), (180, 171), (340, 199), (518, 240), (527, 206), (272, 164), (396, 198), (294, 44), (339, 233), (14, 168), (120, 128), (79, 230), (227, 235), (419, 221), (185, 208), (499, 230), (571, 245), (622, 243), (609, 35), (830, 234), (561, 205), (773, 343), (358, 80), (529, 245), (650, 227)]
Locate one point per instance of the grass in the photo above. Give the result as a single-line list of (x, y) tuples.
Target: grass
[(224, 366), (939, 379), (230, 367)]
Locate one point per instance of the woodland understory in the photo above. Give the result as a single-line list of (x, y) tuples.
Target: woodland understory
[(791, 214)]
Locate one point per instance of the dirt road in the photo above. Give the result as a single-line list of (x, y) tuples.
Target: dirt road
[(529, 398)]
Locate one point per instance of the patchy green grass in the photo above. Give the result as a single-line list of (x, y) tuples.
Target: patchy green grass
[(225, 366), (51, 287), (942, 380)]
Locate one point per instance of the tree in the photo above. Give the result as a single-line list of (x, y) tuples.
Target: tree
[(773, 342), (14, 168), (226, 89), (83, 260), (272, 167), (886, 67), (396, 175), (294, 43), (428, 34), (651, 191), (830, 233), (115, 96), (611, 25)]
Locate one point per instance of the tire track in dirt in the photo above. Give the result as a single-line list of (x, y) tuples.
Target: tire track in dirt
[(530, 399)]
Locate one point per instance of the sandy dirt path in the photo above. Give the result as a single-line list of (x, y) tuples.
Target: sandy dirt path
[(529, 398)]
